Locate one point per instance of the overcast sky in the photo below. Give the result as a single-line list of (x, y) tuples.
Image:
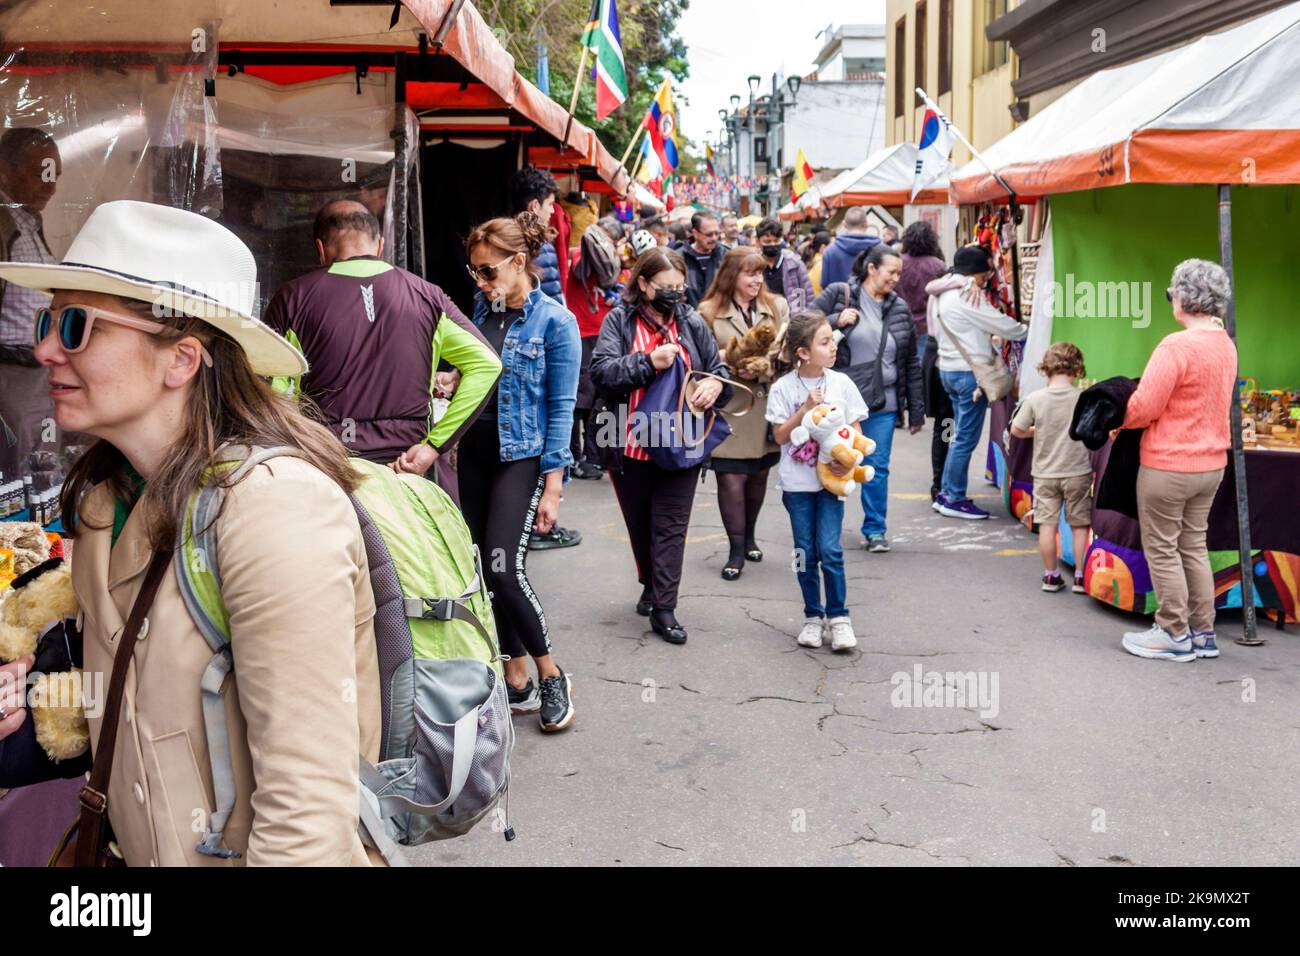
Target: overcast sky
[(728, 40)]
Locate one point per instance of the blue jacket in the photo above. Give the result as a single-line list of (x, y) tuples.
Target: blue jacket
[(838, 258), (540, 359), (550, 266)]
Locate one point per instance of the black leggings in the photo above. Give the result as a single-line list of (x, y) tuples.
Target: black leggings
[(499, 501), (740, 499)]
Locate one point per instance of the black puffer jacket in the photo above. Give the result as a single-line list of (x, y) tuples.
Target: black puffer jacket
[(1099, 411), (862, 369), (617, 371)]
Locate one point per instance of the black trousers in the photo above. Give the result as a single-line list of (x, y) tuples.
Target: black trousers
[(499, 501), (656, 506), (582, 442)]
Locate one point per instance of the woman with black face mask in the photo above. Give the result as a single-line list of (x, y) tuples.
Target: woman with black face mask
[(640, 339)]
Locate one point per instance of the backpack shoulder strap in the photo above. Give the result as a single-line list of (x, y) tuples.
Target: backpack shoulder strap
[(198, 573)]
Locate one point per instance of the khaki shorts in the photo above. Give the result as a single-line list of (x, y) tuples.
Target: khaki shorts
[(1075, 492)]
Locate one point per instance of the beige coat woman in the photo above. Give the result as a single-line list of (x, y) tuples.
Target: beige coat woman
[(302, 703), (749, 433)]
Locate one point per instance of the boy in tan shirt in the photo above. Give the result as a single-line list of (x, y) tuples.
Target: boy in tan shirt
[(1061, 467)]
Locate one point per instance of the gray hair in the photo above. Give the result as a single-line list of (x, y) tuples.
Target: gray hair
[(1202, 287)]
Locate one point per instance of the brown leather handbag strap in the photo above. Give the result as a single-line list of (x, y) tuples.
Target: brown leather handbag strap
[(94, 795)]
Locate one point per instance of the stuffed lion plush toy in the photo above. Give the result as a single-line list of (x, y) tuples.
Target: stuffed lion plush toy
[(40, 598), (751, 353)]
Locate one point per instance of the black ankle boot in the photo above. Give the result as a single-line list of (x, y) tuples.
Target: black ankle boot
[(664, 623)]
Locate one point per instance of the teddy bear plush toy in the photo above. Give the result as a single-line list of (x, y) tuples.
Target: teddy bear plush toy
[(750, 354), (38, 599), (837, 441)]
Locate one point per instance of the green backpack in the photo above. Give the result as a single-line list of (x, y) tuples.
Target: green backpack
[(445, 751)]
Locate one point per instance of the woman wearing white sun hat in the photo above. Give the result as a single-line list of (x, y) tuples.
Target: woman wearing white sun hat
[(151, 347)]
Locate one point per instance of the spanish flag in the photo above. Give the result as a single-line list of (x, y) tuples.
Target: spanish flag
[(661, 127), (803, 174)]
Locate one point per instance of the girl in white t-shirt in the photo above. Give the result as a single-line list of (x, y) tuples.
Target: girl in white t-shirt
[(816, 515)]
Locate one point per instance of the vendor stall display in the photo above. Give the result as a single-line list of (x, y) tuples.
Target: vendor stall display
[(1186, 139)]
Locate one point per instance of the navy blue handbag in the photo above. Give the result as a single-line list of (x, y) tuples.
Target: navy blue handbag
[(675, 437)]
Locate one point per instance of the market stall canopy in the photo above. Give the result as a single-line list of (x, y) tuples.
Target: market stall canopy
[(646, 199), (456, 65), (884, 178), (1220, 110)]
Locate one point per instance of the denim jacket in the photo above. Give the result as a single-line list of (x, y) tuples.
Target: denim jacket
[(538, 388)]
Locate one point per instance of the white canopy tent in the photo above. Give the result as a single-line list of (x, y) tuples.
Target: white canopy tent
[(1220, 110)]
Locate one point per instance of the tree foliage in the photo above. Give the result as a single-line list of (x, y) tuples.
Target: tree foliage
[(651, 51)]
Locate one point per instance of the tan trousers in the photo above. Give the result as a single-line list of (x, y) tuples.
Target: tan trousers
[(1174, 512)]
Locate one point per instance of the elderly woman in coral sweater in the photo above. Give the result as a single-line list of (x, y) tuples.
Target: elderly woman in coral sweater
[(1183, 401)]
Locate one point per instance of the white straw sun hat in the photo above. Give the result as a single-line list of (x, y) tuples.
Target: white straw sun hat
[(180, 261)]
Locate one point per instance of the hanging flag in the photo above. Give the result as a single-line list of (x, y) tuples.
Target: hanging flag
[(602, 39), (934, 149), (661, 127), (651, 168), (708, 158), (670, 198), (803, 174), (543, 70)]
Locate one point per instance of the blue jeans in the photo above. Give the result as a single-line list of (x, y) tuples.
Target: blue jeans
[(815, 519), (969, 425), (875, 493)]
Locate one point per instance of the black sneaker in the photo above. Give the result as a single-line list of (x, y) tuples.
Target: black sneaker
[(525, 700), (555, 538), (1052, 581), (557, 703), (586, 470)]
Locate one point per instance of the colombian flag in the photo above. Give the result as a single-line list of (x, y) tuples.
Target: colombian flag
[(803, 174), (661, 127)]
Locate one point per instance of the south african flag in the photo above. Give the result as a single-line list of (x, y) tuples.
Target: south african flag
[(602, 39)]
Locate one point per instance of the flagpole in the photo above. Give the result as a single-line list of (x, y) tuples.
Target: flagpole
[(573, 101), (635, 136)]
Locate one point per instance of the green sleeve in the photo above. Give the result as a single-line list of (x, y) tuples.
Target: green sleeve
[(479, 367)]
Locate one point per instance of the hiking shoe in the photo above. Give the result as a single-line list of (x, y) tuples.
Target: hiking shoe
[(842, 636), (556, 712), (1078, 585), (1157, 644), (523, 700), (811, 634), (1052, 581), (959, 509), (557, 537), (1203, 644)]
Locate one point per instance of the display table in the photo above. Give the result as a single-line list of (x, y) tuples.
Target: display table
[(1116, 570)]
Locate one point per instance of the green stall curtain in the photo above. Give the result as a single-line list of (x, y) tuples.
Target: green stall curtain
[(1115, 250)]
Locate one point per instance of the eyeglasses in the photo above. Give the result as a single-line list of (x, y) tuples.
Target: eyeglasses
[(667, 288), (75, 321), (1169, 294), (486, 273)]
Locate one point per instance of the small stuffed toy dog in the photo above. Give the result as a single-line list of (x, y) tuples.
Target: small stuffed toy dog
[(839, 442), (750, 354), (38, 599)]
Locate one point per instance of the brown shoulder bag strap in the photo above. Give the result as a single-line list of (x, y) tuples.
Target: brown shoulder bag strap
[(94, 795)]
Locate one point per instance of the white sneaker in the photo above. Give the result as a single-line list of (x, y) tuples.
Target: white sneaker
[(842, 636), (1157, 644), (811, 635)]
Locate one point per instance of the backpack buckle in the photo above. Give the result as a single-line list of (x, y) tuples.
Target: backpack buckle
[(439, 609)]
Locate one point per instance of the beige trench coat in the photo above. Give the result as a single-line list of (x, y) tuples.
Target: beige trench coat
[(304, 698), (749, 431)]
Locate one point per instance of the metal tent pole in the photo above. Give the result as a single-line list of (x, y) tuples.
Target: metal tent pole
[(1249, 634)]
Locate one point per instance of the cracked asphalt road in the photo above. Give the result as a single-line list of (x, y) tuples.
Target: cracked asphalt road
[(741, 748)]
